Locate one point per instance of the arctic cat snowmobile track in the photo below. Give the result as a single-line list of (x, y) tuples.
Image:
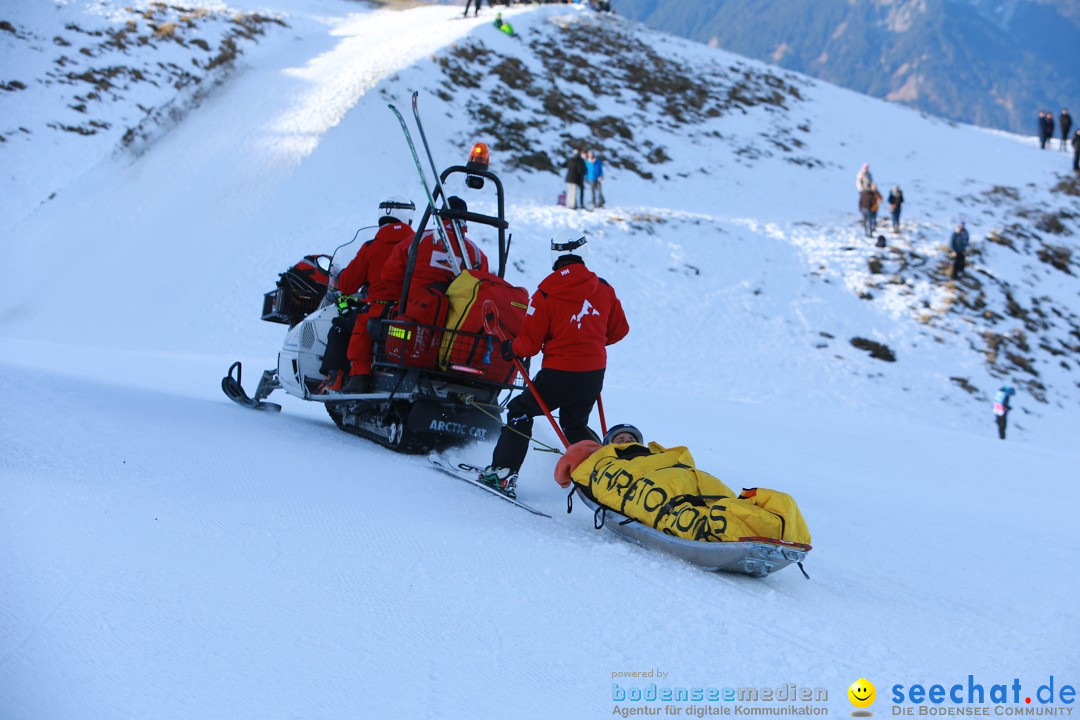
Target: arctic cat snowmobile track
[(413, 426), (387, 429)]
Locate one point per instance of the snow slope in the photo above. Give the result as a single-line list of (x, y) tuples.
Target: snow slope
[(166, 554)]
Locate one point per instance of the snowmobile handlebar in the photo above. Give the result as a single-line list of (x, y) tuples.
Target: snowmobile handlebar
[(469, 216)]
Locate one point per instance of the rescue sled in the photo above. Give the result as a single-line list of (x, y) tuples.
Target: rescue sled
[(756, 557), (432, 386)]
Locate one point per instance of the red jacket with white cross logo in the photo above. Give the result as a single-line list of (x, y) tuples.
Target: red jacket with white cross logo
[(573, 316)]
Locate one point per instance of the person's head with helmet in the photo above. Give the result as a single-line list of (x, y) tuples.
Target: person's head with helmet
[(396, 209), (568, 246), (623, 433)]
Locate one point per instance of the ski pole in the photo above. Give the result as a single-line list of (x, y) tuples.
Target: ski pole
[(603, 420), (491, 327)]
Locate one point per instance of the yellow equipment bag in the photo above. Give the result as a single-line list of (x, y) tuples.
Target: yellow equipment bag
[(468, 294), (662, 488)]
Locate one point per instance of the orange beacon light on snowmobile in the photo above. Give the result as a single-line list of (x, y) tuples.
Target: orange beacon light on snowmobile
[(478, 162), (478, 158)]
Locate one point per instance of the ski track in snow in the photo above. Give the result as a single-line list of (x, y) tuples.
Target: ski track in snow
[(164, 553)]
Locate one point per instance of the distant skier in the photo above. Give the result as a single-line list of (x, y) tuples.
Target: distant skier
[(864, 183), (504, 26), (896, 200), (958, 243), (1002, 407), (348, 342), (594, 176), (572, 317), (1066, 126)]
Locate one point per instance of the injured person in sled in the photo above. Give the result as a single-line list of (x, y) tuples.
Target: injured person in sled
[(664, 489)]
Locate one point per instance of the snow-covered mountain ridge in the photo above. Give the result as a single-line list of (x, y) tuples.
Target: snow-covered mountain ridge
[(696, 124), (90, 78)]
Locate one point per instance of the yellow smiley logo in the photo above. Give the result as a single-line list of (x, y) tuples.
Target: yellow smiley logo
[(862, 693)]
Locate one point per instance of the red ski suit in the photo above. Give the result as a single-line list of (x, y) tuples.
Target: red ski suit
[(432, 265), (572, 316), (366, 269)]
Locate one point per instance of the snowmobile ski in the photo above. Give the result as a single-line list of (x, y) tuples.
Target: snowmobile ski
[(471, 474), (233, 388)]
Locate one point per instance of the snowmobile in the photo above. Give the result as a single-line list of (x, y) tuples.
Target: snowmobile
[(432, 386)]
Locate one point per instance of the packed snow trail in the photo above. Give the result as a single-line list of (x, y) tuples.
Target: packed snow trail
[(229, 178)]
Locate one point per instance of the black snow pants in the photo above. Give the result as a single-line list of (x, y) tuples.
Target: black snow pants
[(958, 264), (336, 356), (572, 393)]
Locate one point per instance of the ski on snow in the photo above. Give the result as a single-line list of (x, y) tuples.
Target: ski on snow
[(471, 474)]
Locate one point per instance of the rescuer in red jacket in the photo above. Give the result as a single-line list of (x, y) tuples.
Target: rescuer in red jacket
[(433, 268), (573, 316), (433, 264), (348, 343)]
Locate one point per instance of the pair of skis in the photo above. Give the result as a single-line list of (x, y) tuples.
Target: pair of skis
[(471, 474), (430, 195)]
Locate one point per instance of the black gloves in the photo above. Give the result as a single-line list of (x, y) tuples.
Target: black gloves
[(507, 348)]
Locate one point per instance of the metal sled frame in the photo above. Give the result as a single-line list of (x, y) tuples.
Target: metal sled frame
[(757, 558)]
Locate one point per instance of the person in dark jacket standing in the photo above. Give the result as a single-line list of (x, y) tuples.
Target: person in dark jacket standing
[(1076, 151), (573, 316), (1066, 126), (575, 180), (896, 199), (958, 244), (1043, 134), (476, 7)]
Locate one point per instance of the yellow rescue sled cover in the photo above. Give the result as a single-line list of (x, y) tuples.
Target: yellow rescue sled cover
[(663, 488)]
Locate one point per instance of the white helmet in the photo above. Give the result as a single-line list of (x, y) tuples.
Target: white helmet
[(396, 209), (569, 242)]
